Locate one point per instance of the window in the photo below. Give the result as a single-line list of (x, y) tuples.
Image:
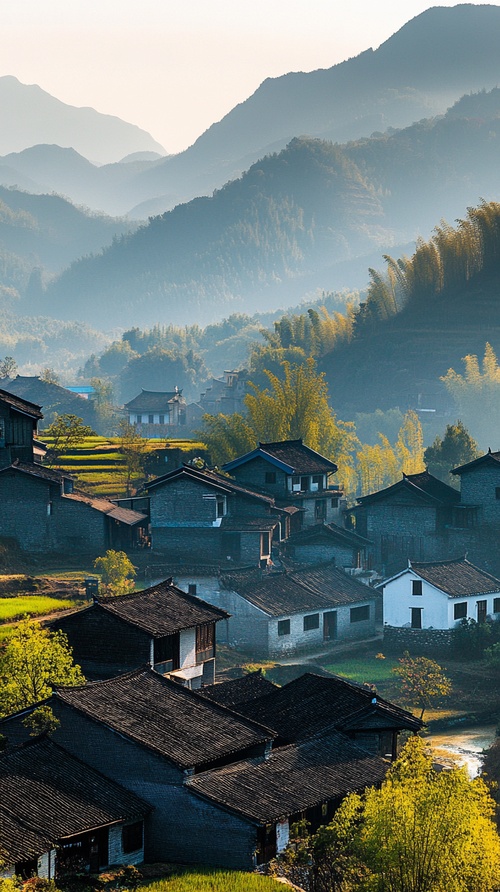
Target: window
[(497, 492), (416, 617), (283, 627), (205, 642), (416, 587), (192, 588), (151, 419), (270, 476), (460, 610), (317, 483), (166, 650), (132, 837), (221, 506), (311, 622), (335, 502), (139, 419), (360, 614), (296, 484), (496, 605), (162, 419), (481, 611)]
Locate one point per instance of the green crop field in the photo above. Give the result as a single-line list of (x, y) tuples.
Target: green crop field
[(99, 465), (214, 881), (12, 609)]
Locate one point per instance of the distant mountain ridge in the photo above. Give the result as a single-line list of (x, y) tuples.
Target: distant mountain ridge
[(313, 216), (30, 116)]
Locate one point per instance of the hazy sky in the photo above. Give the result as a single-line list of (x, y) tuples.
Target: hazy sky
[(175, 66)]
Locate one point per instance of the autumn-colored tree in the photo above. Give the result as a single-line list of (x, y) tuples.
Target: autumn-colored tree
[(422, 681), (33, 661), (381, 465), (117, 572), (422, 831), (476, 393)]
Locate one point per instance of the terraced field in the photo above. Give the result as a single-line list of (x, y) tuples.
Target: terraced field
[(100, 467)]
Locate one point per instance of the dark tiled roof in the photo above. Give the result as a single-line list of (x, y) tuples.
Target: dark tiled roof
[(165, 717), (422, 485), (105, 506), (20, 405), (239, 690), (312, 588), (312, 703), (46, 794), (490, 458), (457, 578), (331, 532), (162, 609), (292, 779), (153, 401), (218, 481), (37, 470), (292, 455)]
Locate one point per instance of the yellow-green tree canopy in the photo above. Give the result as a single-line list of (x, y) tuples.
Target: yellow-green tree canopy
[(34, 660), (117, 572), (422, 831)]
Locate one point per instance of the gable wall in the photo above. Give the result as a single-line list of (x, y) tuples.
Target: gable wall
[(254, 472), (437, 608), (319, 552), (478, 487), (100, 640)]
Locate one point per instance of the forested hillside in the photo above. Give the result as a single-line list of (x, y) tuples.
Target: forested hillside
[(45, 233), (316, 215)]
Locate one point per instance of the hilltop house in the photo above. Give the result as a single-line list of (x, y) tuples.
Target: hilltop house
[(199, 516), (279, 613), (162, 626), (156, 413), (57, 813), (439, 595)]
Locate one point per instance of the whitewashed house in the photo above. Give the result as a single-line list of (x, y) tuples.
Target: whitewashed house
[(439, 595)]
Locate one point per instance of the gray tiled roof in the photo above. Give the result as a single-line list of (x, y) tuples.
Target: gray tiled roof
[(423, 485), (165, 717), (21, 405), (162, 609), (239, 690), (312, 703), (312, 588), (47, 794), (294, 456), (457, 578), (153, 401), (292, 779)]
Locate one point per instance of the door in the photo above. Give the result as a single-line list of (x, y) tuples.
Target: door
[(416, 617), (481, 611), (330, 625)]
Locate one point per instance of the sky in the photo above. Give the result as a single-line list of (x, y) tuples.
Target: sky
[(174, 67)]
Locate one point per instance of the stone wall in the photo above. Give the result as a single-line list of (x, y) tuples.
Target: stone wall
[(428, 642)]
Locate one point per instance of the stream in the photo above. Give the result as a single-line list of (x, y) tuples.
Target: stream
[(462, 746)]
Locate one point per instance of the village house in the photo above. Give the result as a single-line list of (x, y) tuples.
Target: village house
[(284, 612), (225, 394), (57, 814), (200, 516), (55, 399), (156, 413), (162, 626), (410, 519), (329, 542), (439, 595), (294, 475), (18, 426), (220, 789), (44, 513)]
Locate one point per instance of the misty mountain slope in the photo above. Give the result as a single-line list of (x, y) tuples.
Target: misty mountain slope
[(286, 217), (296, 222), (29, 116), (435, 58), (51, 168), (47, 232)]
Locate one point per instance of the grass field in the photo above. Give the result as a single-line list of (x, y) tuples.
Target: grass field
[(214, 881), (369, 670), (12, 609)]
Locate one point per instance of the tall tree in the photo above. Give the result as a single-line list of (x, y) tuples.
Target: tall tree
[(64, 433), (422, 681), (454, 449), (476, 393)]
